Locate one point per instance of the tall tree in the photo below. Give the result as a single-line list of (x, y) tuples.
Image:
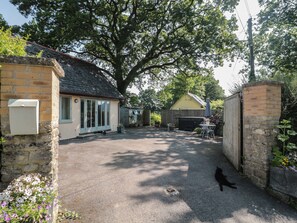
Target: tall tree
[(276, 42), (213, 90), (276, 45), (149, 100), (129, 39), (3, 23), (180, 85)]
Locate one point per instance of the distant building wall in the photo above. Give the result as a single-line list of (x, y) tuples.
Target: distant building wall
[(186, 103), (114, 114), (131, 116), (71, 129)]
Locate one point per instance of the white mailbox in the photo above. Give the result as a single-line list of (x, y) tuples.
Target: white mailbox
[(23, 116)]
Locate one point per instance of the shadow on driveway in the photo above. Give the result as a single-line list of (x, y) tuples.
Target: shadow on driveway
[(124, 177)]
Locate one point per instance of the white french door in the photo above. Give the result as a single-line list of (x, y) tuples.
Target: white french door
[(94, 115)]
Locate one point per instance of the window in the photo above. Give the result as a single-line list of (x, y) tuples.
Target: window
[(108, 113), (65, 109)]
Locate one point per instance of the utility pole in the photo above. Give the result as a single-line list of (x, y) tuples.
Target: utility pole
[(252, 76)]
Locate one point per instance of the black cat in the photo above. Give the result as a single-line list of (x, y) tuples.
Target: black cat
[(221, 178)]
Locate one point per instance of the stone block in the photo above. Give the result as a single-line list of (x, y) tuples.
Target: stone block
[(40, 156), (46, 168), (15, 157), (7, 178), (31, 168), (284, 180)]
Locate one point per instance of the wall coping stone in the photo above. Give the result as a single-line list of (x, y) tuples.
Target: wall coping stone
[(266, 82), (49, 62)]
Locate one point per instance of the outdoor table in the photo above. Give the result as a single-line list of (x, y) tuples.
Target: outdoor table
[(207, 130)]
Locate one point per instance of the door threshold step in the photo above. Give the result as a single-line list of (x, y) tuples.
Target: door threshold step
[(87, 135)]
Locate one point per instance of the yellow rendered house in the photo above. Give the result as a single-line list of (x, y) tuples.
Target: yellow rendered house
[(189, 102)]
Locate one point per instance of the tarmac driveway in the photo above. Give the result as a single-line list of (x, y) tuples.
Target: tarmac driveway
[(126, 178)]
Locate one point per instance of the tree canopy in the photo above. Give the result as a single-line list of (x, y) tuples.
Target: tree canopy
[(129, 39), (3, 23), (276, 50), (203, 86), (276, 43), (149, 100)]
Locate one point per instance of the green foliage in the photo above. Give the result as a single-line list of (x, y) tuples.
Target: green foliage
[(213, 90), (132, 100), (201, 85), (286, 155), (277, 39), (289, 97), (155, 118), (278, 158), (149, 100), (2, 140), (276, 52), (3, 23), (165, 97), (181, 84), (67, 215), (27, 199), (218, 119), (198, 130), (217, 104), (131, 40), (11, 46)]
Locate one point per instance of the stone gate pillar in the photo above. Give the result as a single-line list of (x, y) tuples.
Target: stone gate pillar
[(30, 78), (261, 113)]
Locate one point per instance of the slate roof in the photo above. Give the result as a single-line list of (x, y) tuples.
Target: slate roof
[(81, 77)]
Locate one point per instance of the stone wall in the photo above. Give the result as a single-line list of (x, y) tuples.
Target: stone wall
[(30, 78), (261, 113)]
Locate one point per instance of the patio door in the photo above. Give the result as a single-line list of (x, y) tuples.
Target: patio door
[(88, 115), (94, 115)]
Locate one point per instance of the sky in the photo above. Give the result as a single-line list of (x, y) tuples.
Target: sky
[(227, 75)]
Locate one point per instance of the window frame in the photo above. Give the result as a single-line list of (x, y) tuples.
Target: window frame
[(61, 112)]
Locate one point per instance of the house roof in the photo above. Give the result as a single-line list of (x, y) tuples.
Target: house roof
[(81, 77), (196, 98)]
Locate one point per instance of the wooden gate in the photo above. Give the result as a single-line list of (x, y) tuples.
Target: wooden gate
[(232, 134)]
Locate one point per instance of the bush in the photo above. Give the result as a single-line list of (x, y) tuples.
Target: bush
[(286, 154), (218, 119), (217, 104), (155, 118), (27, 199), (198, 130), (10, 45)]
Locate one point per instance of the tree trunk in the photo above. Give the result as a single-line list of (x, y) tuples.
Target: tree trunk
[(122, 88)]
